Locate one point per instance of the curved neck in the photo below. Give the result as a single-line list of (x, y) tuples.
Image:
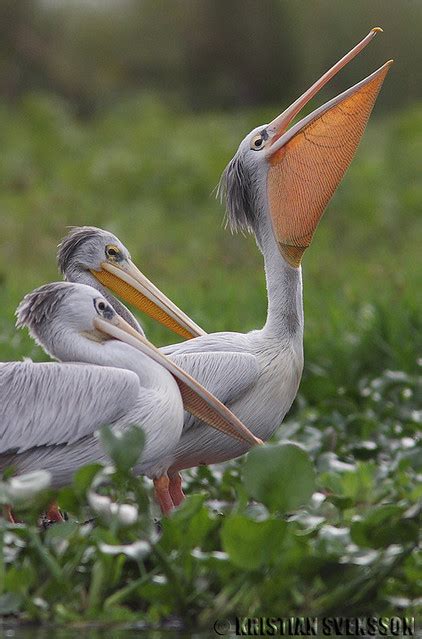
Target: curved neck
[(120, 355), (284, 287), (81, 276)]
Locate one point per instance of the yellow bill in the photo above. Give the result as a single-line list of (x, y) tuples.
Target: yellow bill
[(127, 281)]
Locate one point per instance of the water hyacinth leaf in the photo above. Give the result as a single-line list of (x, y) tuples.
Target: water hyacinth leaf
[(342, 503), (137, 550), (360, 484), (188, 525), (19, 578), (23, 488), (10, 603), (384, 526), (68, 499), (332, 541), (83, 478), (331, 483), (60, 532), (249, 543), (330, 463), (123, 447), (281, 476)]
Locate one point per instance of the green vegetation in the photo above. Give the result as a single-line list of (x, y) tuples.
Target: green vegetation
[(147, 174)]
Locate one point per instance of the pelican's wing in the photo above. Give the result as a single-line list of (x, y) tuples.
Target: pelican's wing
[(52, 403), (223, 342), (221, 362), (226, 375)]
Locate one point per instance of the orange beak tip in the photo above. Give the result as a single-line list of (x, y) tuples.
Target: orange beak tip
[(377, 30)]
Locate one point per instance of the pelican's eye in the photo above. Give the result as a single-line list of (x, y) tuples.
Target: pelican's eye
[(258, 141), (103, 309), (112, 252)]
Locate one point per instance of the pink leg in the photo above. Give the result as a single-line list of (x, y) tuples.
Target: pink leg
[(162, 495), (175, 489), (8, 514), (54, 514)]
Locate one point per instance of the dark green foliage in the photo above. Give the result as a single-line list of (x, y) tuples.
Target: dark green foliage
[(351, 546), (200, 53), (147, 174)]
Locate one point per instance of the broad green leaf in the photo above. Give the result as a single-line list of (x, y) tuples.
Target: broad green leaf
[(384, 526), (83, 478), (332, 541), (280, 476), (359, 484), (123, 447), (188, 526), (20, 578), (60, 531), (249, 543), (68, 500), (10, 602)]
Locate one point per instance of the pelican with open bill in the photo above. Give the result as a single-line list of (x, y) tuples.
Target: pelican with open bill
[(307, 161), (277, 187), (303, 165)]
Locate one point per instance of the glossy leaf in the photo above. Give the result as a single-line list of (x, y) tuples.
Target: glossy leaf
[(123, 447), (251, 544), (280, 476)]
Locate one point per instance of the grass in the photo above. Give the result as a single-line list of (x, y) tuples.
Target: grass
[(147, 174)]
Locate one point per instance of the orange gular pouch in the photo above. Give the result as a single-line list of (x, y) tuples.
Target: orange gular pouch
[(305, 171)]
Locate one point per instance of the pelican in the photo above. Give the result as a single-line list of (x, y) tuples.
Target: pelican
[(92, 256), (108, 374), (277, 187)]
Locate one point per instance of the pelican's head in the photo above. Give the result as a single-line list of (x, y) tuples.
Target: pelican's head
[(291, 174), (73, 322), (88, 249), (61, 309)]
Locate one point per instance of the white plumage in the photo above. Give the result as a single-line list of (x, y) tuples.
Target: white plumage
[(277, 187), (50, 412)]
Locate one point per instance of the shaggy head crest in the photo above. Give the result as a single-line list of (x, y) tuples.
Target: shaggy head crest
[(41, 305), (74, 240), (236, 189)]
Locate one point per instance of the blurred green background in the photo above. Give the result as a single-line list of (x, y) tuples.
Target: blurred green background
[(123, 114)]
